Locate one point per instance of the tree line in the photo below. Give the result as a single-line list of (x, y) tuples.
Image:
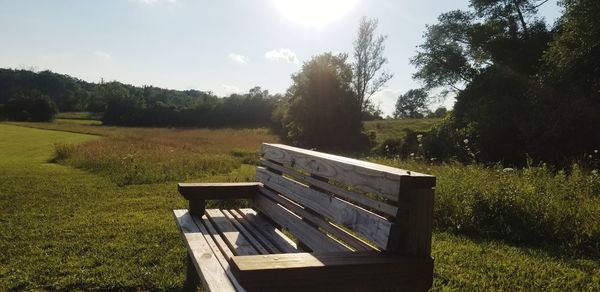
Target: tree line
[(525, 91)]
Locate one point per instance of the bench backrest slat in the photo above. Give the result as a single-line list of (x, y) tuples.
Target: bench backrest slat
[(360, 199), (389, 207), (372, 226), (371, 177), (313, 238)]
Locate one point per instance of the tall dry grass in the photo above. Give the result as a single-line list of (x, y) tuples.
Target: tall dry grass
[(149, 155)]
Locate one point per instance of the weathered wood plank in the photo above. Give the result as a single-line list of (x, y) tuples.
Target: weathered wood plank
[(217, 250), (313, 238), (210, 270), (347, 238), (364, 222), (371, 177), (265, 242), (358, 271), (210, 191), (247, 234), (216, 236), (267, 229), (352, 196), (234, 239)]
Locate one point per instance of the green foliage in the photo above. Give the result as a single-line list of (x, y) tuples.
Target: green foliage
[(536, 206), (439, 113), (412, 104), (513, 99), (323, 111), (31, 106)]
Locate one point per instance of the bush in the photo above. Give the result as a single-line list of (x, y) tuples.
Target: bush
[(33, 107), (536, 206)]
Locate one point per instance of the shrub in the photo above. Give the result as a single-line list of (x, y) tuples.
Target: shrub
[(32, 106), (535, 205)]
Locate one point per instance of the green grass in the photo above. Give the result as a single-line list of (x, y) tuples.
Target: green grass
[(79, 116), (534, 206), (63, 228), (77, 121), (395, 129)]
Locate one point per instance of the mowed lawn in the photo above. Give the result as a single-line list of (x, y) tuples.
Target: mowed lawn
[(65, 228)]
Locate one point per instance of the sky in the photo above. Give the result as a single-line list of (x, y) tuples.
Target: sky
[(224, 46)]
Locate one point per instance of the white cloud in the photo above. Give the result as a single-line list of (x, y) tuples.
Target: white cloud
[(230, 89), (102, 55), (282, 55), (238, 58), (386, 99)]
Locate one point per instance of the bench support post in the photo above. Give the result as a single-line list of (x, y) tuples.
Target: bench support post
[(196, 207)]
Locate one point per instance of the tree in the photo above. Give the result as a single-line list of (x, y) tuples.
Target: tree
[(440, 112), (31, 106), (412, 104), (566, 105), (368, 61), (323, 111), (489, 58)]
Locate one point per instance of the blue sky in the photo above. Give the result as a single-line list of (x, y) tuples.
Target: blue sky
[(223, 46)]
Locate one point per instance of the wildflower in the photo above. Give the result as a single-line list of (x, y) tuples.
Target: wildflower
[(466, 141), (596, 151), (508, 169), (412, 154)]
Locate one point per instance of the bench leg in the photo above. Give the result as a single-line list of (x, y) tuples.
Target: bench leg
[(191, 276)]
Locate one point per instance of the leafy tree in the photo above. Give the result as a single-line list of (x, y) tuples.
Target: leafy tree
[(412, 104), (566, 105), (368, 62), (488, 57), (31, 106), (323, 111), (440, 112)]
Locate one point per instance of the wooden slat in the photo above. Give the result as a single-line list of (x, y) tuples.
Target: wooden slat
[(267, 229), (364, 222), (355, 197), (247, 234), (371, 177), (217, 251), (347, 238), (257, 234), (358, 271), (311, 237), (234, 239), (211, 272), (216, 236), (208, 191)]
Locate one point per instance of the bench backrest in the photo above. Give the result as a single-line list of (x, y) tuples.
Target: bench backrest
[(319, 196)]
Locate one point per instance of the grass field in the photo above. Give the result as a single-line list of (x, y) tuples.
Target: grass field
[(70, 229), (396, 129)]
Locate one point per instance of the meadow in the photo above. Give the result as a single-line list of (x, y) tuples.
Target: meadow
[(88, 221)]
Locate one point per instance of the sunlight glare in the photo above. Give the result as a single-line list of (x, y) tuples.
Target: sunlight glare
[(314, 13)]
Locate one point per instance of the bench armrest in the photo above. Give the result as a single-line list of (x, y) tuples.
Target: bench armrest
[(198, 193), (340, 271)]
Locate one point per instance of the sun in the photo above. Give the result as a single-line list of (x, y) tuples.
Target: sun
[(314, 13)]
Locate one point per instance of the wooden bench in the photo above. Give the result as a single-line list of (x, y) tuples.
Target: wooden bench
[(318, 222)]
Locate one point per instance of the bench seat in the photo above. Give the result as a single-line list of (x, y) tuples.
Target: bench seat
[(317, 222), (222, 234)]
